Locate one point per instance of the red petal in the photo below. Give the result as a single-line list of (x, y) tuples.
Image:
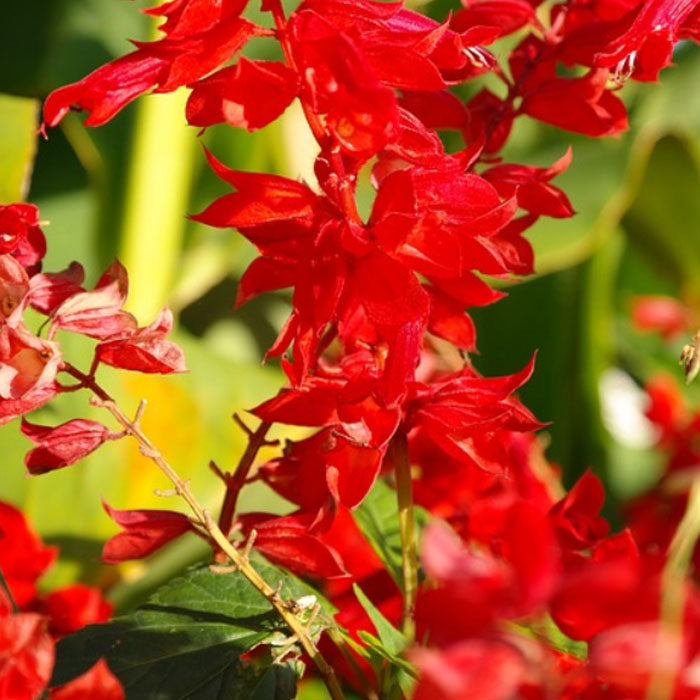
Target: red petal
[(26, 656), (62, 445), (145, 531), (73, 607), (98, 683), (250, 94)]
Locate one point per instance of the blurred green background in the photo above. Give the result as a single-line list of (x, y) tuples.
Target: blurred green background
[(126, 188)]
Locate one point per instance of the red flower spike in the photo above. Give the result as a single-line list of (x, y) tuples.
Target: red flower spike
[(98, 683), (23, 556), (292, 542), (98, 313), (26, 656), (145, 349), (14, 286), (73, 607), (49, 290), (250, 94), (28, 367), (145, 531), (191, 49), (62, 445), (20, 235)]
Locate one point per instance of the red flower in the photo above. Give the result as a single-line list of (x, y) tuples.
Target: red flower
[(341, 85), (20, 235), (199, 37), (638, 44), (325, 464), (583, 105), (14, 286), (145, 531), (506, 15), (250, 94), (487, 669), (144, 349), (73, 607), (531, 187), (98, 313), (26, 656), (23, 556), (660, 314), (49, 290), (576, 516), (63, 445), (28, 367), (293, 542)]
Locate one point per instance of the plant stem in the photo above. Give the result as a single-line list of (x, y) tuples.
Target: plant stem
[(6, 587), (409, 554), (673, 597), (241, 562), (235, 481)]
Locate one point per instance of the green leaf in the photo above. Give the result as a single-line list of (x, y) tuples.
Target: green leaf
[(396, 675), (378, 519), (186, 642), (18, 127), (660, 221), (386, 648), (393, 640)]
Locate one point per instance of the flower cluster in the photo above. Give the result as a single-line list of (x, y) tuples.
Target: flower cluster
[(30, 623), (379, 87)]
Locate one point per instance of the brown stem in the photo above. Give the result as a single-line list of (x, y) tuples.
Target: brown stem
[(6, 588), (236, 481), (203, 517)]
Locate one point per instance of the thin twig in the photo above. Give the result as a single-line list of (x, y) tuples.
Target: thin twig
[(6, 587), (296, 626), (236, 481)]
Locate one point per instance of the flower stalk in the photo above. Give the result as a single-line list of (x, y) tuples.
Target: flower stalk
[(203, 518), (409, 553)]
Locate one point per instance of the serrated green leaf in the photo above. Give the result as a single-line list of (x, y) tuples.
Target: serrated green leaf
[(186, 642), (18, 127), (378, 519)]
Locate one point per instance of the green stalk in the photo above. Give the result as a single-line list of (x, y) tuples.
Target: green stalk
[(157, 197), (409, 553), (673, 596)]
